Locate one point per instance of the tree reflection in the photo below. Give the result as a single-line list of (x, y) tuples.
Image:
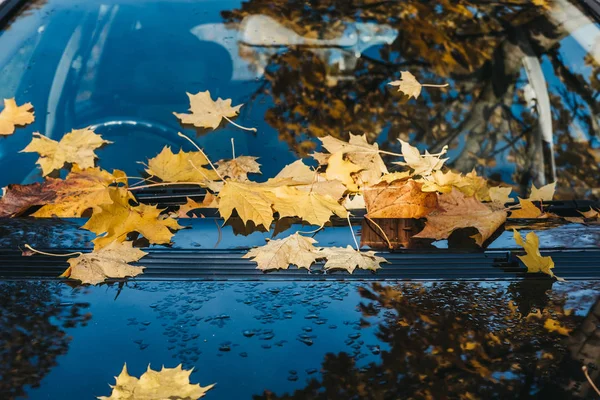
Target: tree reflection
[(32, 332), (487, 51), (450, 340)]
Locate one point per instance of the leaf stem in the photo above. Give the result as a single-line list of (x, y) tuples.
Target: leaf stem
[(587, 376), (232, 148), (239, 126), (203, 153), (390, 153), (352, 231), (382, 232), (77, 253), (433, 85)]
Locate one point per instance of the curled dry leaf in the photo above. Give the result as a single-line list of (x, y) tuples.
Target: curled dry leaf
[(530, 211), (76, 147), (168, 383), (238, 168), (17, 199), (590, 214), (423, 165), (207, 113), (115, 220), (181, 167), (13, 115), (281, 253), (458, 211), (109, 262), (399, 199), (79, 191), (532, 259), (342, 170), (545, 193), (349, 259), (209, 201)]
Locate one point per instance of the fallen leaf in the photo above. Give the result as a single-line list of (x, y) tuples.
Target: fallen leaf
[(332, 188), (13, 115), (114, 221), (529, 210), (424, 164), (545, 193), (459, 211), (313, 208), (500, 195), (340, 169), (553, 325), (297, 171), (532, 259), (395, 176), (207, 113), (279, 254), (181, 167), (408, 84), (442, 182), (575, 220), (109, 262), (252, 201), (475, 185), (590, 214), (398, 199), (349, 259), (357, 202), (75, 147), (238, 168), (359, 152), (79, 191), (209, 201), (19, 198), (322, 158), (168, 383)]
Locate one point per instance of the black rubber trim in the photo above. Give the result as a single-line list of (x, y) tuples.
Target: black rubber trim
[(229, 265), (7, 9)]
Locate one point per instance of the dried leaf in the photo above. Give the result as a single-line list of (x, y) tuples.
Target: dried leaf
[(19, 198), (395, 176), (475, 185), (424, 164), (251, 200), (529, 210), (297, 171), (590, 214), (209, 201), (442, 182), (207, 113), (408, 84), (76, 147), (313, 208), (13, 115), (399, 199), (357, 202), (114, 221), (349, 259), (168, 383), (532, 259), (500, 195), (322, 158), (79, 191), (238, 168), (340, 169), (181, 167), (545, 193), (109, 262), (462, 212), (279, 254)]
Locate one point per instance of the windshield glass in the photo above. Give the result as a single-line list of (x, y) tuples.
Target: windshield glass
[(521, 106)]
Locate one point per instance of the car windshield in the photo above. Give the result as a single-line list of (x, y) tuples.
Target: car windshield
[(521, 105)]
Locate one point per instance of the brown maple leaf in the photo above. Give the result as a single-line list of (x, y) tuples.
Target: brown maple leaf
[(399, 199), (13, 115), (458, 211), (238, 168), (19, 198)]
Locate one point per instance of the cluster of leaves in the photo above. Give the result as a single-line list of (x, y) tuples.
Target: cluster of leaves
[(350, 174)]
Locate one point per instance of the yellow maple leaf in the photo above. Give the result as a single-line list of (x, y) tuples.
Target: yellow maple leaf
[(13, 115), (340, 169), (109, 262), (395, 176), (545, 193), (410, 86), (238, 168), (475, 185), (313, 208), (76, 147), (168, 383), (424, 164), (209, 201), (442, 182), (281, 253), (500, 195), (181, 167), (114, 221), (252, 201), (298, 172), (207, 113), (349, 259), (80, 191), (308, 180), (533, 259), (460, 211), (529, 210)]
